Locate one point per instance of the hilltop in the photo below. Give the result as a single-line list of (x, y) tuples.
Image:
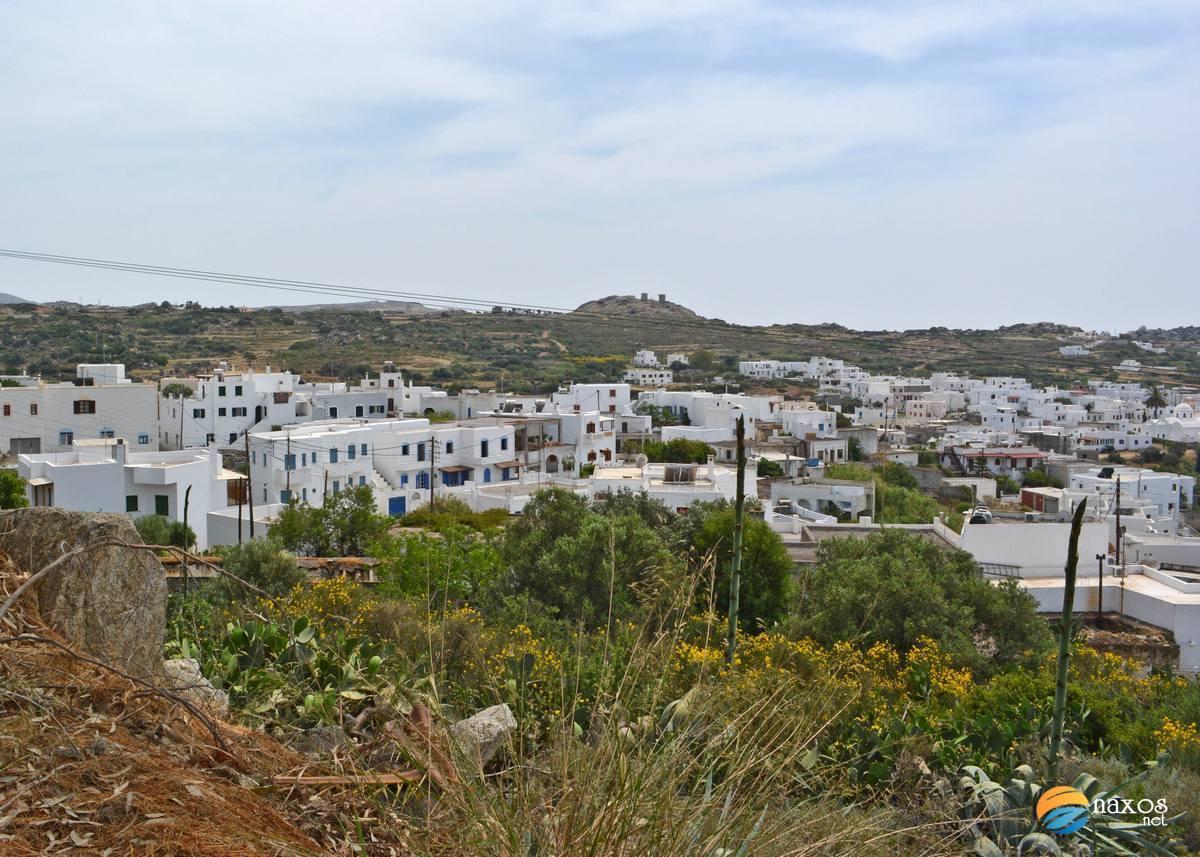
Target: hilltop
[(6, 298), (630, 305)]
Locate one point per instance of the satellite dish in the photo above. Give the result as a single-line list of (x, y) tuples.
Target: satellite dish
[(640, 460)]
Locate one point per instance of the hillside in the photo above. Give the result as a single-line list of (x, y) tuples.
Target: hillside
[(6, 298), (530, 351)]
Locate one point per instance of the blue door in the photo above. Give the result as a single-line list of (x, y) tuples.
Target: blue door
[(396, 507)]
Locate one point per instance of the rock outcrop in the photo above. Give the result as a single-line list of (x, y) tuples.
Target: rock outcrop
[(184, 677), (482, 734), (110, 602)]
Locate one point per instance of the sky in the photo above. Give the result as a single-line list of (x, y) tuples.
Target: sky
[(881, 165)]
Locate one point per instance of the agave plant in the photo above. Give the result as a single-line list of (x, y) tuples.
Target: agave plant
[(1003, 819)]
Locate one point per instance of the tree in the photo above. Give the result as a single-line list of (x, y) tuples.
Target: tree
[(854, 449), (456, 565), (344, 526), (1038, 477), (769, 469), (12, 490), (577, 562), (677, 451), (176, 388), (702, 359), (261, 563), (158, 530), (895, 587), (1156, 401), (706, 534)]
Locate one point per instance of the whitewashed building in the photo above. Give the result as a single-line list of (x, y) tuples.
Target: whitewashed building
[(399, 459), (100, 402), (105, 476)]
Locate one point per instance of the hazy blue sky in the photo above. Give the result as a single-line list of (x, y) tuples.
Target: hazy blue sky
[(879, 164)]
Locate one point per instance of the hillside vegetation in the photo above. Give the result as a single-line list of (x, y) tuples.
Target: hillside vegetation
[(528, 351)]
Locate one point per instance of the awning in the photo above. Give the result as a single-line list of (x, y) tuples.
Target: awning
[(454, 468), (508, 464), (41, 480)]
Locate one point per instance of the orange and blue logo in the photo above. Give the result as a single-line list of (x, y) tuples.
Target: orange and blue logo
[(1063, 810)]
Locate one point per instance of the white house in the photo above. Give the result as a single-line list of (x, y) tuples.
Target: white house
[(1074, 351), (1165, 491), (649, 377), (399, 459), (101, 402), (646, 359), (225, 405), (677, 486), (104, 476)]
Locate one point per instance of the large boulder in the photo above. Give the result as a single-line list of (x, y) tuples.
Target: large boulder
[(184, 677), (110, 602)]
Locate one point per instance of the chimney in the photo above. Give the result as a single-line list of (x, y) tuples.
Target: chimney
[(662, 299)]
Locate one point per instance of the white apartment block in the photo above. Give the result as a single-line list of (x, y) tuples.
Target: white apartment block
[(649, 377), (225, 405), (646, 359), (101, 402), (1099, 440), (399, 459), (1165, 491), (105, 476)]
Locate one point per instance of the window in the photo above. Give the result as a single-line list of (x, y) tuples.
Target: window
[(238, 412), (358, 410), (404, 449), (232, 436), (504, 443), (131, 503), (221, 391), (85, 406), (285, 496), (362, 450), (333, 456), (33, 410), (420, 452), (450, 445), (612, 394), (66, 438), (289, 462), (8, 410), (143, 439), (221, 412), (483, 449), (337, 486), (162, 505), (333, 413), (254, 456), (197, 413), (107, 433), (403, 479), (304, 459), (362, 480), (210, 438), (351, 451), (237, 391)]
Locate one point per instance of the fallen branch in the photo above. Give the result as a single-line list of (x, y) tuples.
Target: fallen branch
[(393, 779)]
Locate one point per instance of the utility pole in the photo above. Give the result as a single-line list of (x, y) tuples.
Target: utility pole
[(735, 576), (187, 499), (181, 421), (287, 466), (325, 489), (243, 488), (1120, 559), (249, 486), (432, 474)]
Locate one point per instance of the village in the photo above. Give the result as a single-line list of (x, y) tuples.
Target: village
[(1007, 463)]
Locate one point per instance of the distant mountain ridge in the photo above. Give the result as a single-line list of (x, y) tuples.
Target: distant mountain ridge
[(6, 298)]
